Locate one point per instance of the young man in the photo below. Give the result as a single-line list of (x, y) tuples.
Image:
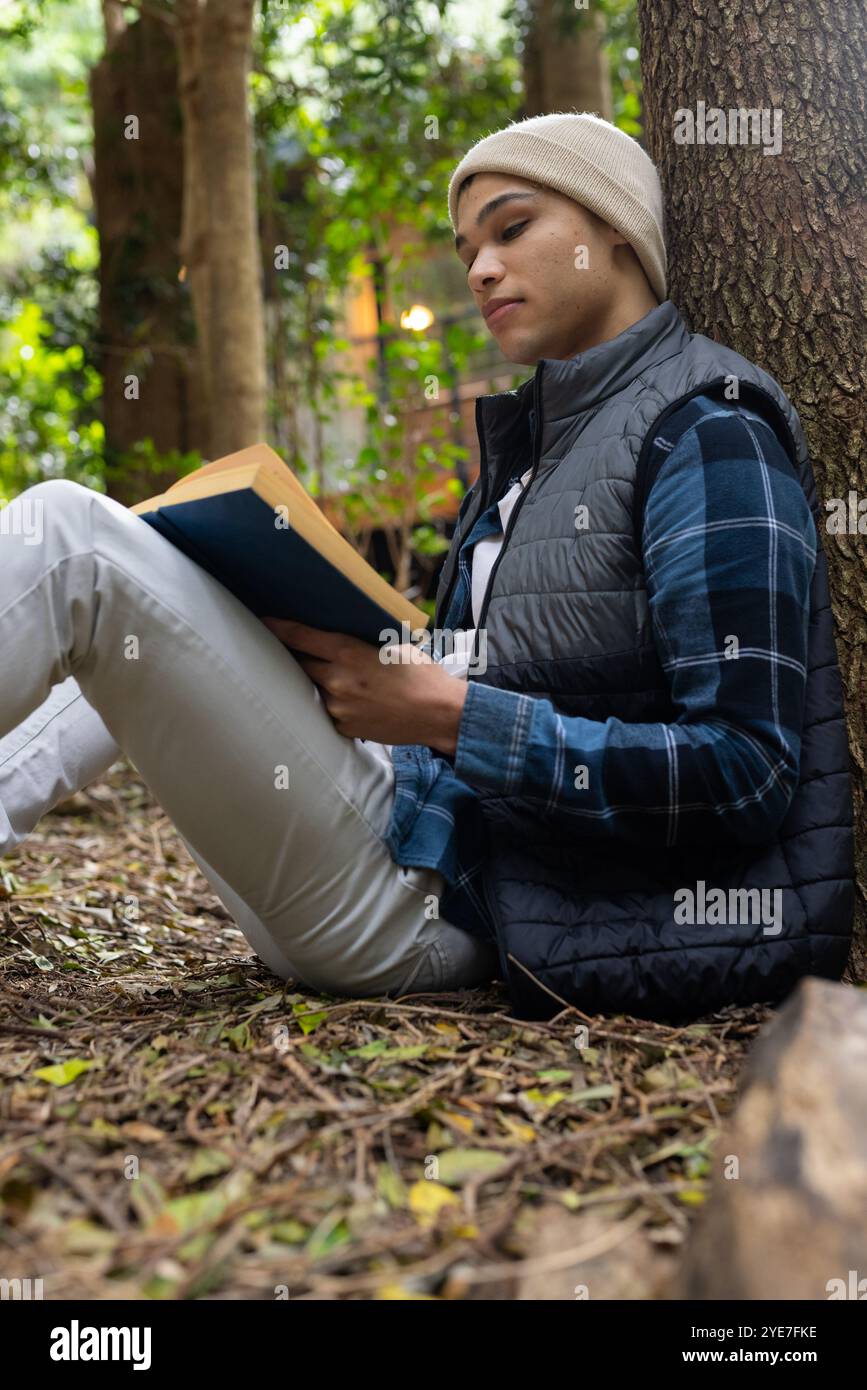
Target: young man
[(639, 799)]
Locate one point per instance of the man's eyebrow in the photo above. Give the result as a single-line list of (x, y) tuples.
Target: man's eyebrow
[(492, 207)]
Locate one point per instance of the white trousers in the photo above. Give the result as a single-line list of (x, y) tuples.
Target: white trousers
[(111, 641)]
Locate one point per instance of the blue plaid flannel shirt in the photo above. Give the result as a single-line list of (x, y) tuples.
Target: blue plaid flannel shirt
[(729, 548)]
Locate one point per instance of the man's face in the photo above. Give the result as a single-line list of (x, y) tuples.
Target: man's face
[(527, 243)]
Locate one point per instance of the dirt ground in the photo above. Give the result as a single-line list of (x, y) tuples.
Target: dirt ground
[(177, 1123)]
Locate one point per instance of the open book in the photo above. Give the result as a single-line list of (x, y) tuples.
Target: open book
[(249, 522)]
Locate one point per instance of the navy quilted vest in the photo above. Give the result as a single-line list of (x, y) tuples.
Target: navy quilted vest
[(566, 618)]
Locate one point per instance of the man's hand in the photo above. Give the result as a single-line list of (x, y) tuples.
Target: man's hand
[(408, 699)]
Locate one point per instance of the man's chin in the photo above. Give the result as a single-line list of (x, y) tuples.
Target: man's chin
[(523, 354), (524, 360)]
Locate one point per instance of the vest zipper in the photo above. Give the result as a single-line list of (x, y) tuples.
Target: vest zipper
[(468, 523), (537, 453)]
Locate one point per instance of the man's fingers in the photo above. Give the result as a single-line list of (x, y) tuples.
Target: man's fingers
[(318, 671)]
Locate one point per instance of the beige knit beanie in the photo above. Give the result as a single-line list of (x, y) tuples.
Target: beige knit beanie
[(587, 159)]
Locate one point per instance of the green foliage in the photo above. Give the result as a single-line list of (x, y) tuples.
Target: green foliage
[(49, 406), (361, 111), (352, 114), (144, 457), (396, 473), (621, 47), (48, 424), (351, 122)]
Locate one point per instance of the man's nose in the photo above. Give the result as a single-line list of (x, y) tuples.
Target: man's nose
[(487, 267)]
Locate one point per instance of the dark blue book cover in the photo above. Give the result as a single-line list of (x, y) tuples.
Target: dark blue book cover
[(273, 570)]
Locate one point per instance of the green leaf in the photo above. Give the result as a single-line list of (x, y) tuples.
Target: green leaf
[(332, 1231), (668, 1076), (603, 1092), (306, 1018), (544, 1097), (407, 1053), (456, 1166), (391, 1186), (205, 1163), (289, 1232), (239, 1037), (371, 1049), (271, 1001), (62, 1073), (692, 1196)]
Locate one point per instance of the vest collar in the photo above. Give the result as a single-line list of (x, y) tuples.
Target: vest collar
[(571, 385), (585, 380)]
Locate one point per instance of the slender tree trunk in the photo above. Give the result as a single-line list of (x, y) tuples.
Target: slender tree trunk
[(221, 242), (565, 68), (767, 251), (194, 225), (145, 328), (281, 186)]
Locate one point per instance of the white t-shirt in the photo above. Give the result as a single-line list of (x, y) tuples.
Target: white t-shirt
[(485, 552)]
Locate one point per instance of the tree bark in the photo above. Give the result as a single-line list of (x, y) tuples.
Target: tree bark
[(767, 252), (220, 235), (194, 222), (565, 68), (145, 328)]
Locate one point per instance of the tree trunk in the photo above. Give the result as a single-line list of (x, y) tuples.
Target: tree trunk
[(145, 328), (767, 251), (565, 68), (220, 237), (194, 223)]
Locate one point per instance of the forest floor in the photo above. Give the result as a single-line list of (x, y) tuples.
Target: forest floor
[(175, 1122)]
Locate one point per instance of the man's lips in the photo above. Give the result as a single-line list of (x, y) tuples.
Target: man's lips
[(501, 310)]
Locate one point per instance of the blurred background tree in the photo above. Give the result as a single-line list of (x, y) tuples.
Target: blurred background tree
[(225, 221)]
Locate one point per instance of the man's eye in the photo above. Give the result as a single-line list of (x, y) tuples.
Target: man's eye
[(515, 227), (506, 235)]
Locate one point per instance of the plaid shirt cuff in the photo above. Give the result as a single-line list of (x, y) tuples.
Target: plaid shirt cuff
[(493, 737)]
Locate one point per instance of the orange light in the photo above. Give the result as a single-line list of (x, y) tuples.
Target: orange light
[(417, 318)]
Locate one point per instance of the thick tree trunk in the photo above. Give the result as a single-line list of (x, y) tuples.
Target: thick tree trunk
[(767, 251), (220, 237), (146, 329), (565, 68)]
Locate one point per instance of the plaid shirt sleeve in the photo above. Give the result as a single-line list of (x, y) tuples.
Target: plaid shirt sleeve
[(729, 549)]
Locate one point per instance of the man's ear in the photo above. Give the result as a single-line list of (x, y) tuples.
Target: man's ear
[(613, 237), (605, 229)]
